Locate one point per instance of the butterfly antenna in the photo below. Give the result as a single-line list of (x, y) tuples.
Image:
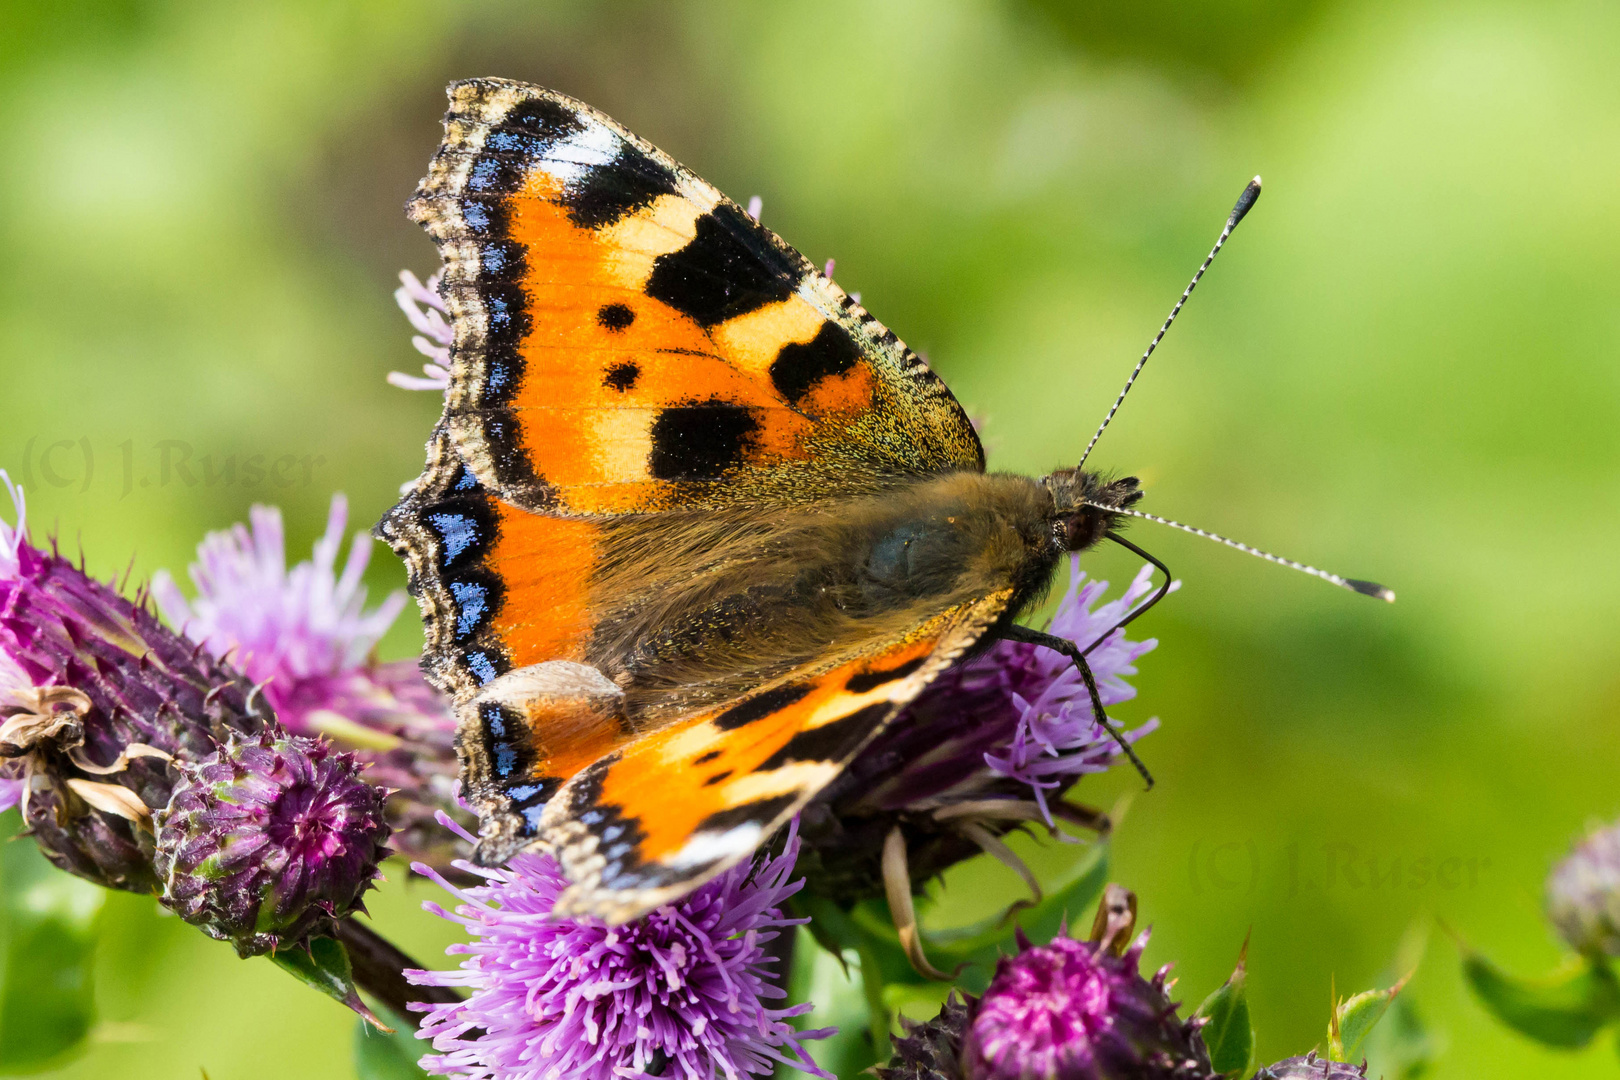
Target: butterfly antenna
[(1245, 203), (1365, 588)]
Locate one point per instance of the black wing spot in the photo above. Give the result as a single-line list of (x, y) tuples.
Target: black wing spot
[(727, 270), (862, 681), (700, 442), (798, 367), (717, 778), (760, 706), (607, 193), (761, 812), (830, 742), (549, 120), (704, 759), (622, 377), (615, 317)]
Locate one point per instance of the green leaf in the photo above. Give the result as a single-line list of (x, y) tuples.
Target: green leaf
[(324, 965), (47, 1001), (1229, 1035), (384, 1056), (1565, 1009), (1353, 1020)]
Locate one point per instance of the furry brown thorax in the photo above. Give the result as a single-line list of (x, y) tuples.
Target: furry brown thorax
[(759, 593)]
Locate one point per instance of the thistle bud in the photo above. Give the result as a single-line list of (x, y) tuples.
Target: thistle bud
[(1074, 1011), (96, 697), (1583, 895), (932, 1050), (303, 632), (268, 840), (1311, 1067)]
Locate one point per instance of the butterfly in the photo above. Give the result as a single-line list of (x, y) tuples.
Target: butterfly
[(694, 525)]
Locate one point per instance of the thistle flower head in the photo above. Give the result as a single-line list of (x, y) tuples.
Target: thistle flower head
[(682, 993), (280, 625), (306, 634), (96, 697), (268, 840), (1311, 1067), (1583, 895), (1073, 1010), (992, 742), (1066, 1010)]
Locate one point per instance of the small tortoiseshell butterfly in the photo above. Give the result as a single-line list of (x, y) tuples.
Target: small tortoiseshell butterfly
[(694, 525)]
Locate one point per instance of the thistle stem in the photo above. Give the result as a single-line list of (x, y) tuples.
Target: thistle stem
[(379, 969)]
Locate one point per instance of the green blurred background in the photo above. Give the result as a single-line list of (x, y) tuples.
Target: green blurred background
[(1406, 366)]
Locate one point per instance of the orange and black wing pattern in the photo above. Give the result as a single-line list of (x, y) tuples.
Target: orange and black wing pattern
[(629, 340), (636, 357), (666, 812)]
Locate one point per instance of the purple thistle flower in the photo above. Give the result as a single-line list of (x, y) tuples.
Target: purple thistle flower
[(682, 993), (280, 626), (1066, 1010), (305, 633), (104, 712), (1055, 737), (1073, 1010), (433, 335), (269, 840), (991, 743)]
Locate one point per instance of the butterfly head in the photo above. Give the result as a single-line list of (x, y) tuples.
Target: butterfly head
[(1081, 498)]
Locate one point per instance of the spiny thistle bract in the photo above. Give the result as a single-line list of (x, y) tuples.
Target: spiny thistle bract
[(271, 839)]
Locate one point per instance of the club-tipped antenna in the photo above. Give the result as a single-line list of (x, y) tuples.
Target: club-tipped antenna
[(1365, 588), (1245, 203)]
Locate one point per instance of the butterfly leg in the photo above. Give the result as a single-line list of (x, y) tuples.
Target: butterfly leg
[(1141, 609), (1029, 636)]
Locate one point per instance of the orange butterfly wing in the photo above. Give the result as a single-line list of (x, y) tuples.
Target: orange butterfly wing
[(629, 340), (664, 813), (628, 343)]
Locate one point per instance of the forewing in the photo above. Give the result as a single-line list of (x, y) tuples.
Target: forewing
[(627, 339)]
